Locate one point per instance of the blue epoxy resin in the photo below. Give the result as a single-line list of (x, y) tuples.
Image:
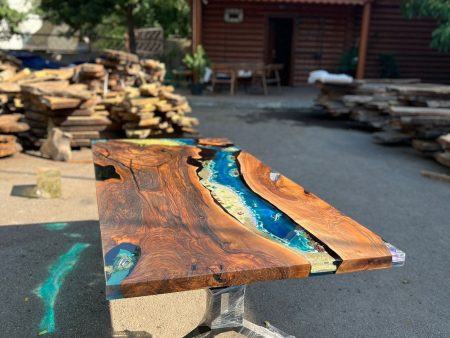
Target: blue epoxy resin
[(119, 262), (224, 171)]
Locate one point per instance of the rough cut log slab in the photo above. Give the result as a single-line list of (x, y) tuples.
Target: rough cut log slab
[(9, 87), (438, 103), (13, 127), (55, 103), (391, 138), (83, 128), (117, 55), (430, 121), (8, 145), (443, 158), (426, 146), (421, 89), (444, 141), (81, 121), (419, 111), (85, 135)]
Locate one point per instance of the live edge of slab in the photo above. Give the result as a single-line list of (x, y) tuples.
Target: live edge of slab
[(184, 214)]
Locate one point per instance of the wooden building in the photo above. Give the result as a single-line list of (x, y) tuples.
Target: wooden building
[(307, 35)]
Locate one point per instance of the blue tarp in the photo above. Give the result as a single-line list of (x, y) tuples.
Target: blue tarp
[(36, 62)]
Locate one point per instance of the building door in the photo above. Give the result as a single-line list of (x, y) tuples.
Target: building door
[(280, 46)]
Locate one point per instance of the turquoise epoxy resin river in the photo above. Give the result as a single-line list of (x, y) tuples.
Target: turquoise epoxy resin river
[(223, 172)]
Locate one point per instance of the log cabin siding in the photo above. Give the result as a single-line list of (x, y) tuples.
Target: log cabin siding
[(322, 33), (409, 42)]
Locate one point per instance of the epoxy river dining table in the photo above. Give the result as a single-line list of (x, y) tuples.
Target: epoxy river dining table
[(184, 214)]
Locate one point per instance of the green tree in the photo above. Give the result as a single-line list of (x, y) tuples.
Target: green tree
[(435, 9), (115, 17), (11, 17)]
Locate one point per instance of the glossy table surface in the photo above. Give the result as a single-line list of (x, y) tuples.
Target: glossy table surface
[(184, 214)]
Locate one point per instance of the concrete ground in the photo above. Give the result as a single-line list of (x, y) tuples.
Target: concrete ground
[(380, 187), (289, 98)]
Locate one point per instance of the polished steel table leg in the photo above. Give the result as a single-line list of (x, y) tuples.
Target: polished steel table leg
[(226, 313)]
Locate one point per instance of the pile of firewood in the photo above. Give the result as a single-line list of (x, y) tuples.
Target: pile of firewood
[(402, 111), (150, 110), (69, 107)]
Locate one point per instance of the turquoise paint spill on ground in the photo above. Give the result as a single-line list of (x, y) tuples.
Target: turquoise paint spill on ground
[(49, 289), (56, 226)]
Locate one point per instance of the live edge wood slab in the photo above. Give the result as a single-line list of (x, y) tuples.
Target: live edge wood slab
[(183, 214)]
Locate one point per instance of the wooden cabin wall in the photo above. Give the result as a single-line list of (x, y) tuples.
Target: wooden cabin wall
[(319, 37), (322, 34)]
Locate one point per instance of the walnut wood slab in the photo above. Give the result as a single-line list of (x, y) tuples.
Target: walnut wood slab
[(183, 214)]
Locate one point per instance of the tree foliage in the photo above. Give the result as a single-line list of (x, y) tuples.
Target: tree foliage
[(11, 17), (435, 9), (115, 17)]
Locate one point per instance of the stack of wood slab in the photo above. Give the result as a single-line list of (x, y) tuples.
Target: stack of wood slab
[(93, 76), (403, 111), (69, 107), (154, 70), (423, 114), (9, 145), (9, 66), (366, 102), (151, 110), (444, 156), (330, 97), (123, 69)]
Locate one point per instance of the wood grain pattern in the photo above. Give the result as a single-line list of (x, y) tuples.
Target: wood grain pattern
[(168, 224), (359, 248), (187, 241)]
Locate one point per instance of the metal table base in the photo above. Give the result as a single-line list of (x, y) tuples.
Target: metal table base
[(226, 313)]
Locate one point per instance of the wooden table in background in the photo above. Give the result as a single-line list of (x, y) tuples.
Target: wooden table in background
[(185, 214)]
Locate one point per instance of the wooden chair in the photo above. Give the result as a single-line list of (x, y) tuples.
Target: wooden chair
[(273, 75), (260, 73), (223, 74)]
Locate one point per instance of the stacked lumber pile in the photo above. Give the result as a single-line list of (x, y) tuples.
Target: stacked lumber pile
[(9, 145), (69, 107), (444, 157), (330, 97), (124, 69), (12, 124), (92, 75), (10, 91), (365, 101), (9, 66), (154, 70), (151, 110), (423, 114), (403, 112)]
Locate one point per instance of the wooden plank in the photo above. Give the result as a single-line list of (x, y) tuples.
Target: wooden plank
[(359, 248), (182, 214), (418, 111), (444, 141)]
